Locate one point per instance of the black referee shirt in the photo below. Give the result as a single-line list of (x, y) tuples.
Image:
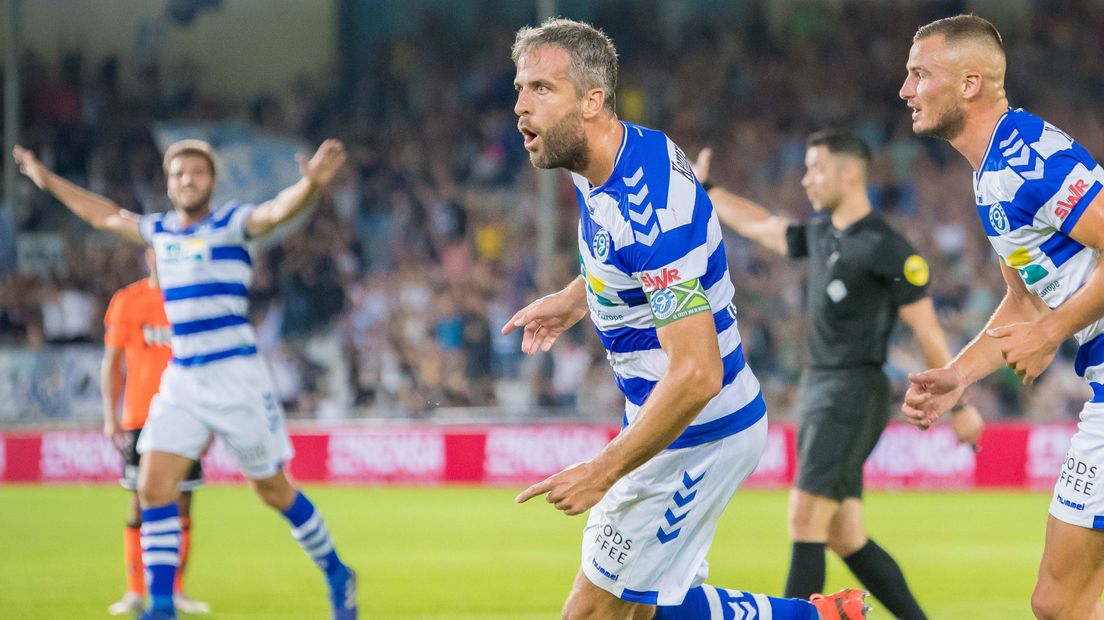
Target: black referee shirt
[(857, 279)]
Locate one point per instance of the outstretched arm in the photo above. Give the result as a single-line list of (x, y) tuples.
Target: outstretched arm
[(695, 374), (933, 392), (100, 212), (922, 321), (317, 173), (546, 318), (747, 218)]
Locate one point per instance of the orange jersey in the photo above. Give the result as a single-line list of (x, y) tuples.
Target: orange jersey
[(136, 323)]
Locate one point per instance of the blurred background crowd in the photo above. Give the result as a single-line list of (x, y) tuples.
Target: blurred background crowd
[(388, 300)]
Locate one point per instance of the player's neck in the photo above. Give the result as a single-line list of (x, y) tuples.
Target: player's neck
[(604, 139), (975, 136), (854, 207), (191, 218)]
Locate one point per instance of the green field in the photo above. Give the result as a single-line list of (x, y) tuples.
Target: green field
[(471, 553)]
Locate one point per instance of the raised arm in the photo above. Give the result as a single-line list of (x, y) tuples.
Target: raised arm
[(100, 212), (317, 172), (747, 218)]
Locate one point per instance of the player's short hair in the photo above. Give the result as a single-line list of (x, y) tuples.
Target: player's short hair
[(593, 56), (962, 28), (841, 142), (189, 147)]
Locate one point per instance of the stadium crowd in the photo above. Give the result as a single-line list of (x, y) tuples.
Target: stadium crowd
[(388, 300)]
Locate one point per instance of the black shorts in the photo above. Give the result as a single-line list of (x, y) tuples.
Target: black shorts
[(841, 414), (131, 458)]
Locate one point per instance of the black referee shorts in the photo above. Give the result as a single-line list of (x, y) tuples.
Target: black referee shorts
[(841, 414), (131, 459)]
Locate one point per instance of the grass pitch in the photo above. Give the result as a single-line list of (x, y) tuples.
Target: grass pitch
[(460, 553)]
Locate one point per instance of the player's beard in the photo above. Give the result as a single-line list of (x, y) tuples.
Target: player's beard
[(949, 125), (196, 206), (564, 144)]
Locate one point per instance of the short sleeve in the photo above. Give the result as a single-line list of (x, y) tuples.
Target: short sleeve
[(797, 245), (115, 326), (148, 224), (905, 271), (232, 216)]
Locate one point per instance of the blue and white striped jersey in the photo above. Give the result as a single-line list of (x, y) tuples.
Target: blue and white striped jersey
[(204, 271), (650, 226), (1032, 187)]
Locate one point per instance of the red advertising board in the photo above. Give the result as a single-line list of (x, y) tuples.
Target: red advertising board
[(1013, 456)]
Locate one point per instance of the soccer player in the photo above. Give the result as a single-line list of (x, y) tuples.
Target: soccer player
[(215, 384), (655, 282), (1039, 201), (862, 275), (138, 333)]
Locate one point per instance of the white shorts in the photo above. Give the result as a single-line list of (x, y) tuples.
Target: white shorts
[(1079, 492), (646, 540), (231, 398)]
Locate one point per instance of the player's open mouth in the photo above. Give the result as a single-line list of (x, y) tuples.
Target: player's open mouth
[(530, 137), (915, 112)]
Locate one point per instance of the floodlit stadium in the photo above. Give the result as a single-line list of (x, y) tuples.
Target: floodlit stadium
[(347, 201)]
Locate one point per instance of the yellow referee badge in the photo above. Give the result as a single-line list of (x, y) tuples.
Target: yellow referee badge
[(916, 270)]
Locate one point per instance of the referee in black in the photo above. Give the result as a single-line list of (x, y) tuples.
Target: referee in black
[(862, 275)]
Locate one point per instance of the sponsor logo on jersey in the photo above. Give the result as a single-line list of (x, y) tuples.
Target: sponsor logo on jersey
[(662, 279), (1020, 260), (600, 245), (916, 270), (189, 250), (157, 335), (998, 219), (1077, 190), (664, 303)]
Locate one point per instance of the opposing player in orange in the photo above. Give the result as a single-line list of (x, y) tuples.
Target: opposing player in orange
[(136, 346)]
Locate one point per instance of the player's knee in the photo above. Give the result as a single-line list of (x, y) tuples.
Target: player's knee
[(153, 492), (1045, 606), (1049, 602)]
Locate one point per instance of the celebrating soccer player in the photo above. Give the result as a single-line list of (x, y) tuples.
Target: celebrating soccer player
[(655, 280), (215, 384), (1038, 197), (862, 274)]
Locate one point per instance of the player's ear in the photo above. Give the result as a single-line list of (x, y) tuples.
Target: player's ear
[(593, 102), (971, 84)]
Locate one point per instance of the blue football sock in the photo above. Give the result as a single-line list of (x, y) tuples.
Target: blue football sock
[(712, 603), (310, 530), (161, 552)]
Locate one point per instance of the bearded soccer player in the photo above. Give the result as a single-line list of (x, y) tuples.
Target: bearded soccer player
[(862, 275), (655, 283), (216, 384), (1038, 197)]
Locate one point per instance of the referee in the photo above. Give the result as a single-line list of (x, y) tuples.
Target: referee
[(862, 275)]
